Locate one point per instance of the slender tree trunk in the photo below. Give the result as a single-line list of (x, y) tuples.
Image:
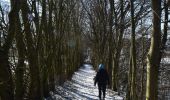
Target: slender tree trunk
[(35, 88), (128, 97), (46, 32), (19, 92), (168, 2), (143, 68), (153, 57), (133, 53), (132, 86), (110, 41), (114, 51), (6, 81), (51, 45), (118, 49)]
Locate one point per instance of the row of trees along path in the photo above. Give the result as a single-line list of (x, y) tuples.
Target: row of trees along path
[(42, 42), (81, 87)]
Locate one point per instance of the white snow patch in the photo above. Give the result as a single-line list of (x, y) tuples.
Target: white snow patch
[(81, 87)]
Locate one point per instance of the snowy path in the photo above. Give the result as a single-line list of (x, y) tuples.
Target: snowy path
[(81, 87)]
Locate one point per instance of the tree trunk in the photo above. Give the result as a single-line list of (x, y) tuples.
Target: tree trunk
[(118, 50), (168, 2), (19, 74), (132, 75), (153, 61), (6, 81), (35, 88), (110, 42), (143, 68)]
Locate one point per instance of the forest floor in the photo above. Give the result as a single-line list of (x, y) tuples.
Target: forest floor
[(81, 87)]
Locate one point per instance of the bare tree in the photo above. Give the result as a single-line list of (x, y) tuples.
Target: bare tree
[(153, 60), (7, 86)]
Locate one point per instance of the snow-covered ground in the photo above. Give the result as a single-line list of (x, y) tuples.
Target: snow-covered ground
[(165, 60), (81, 87)]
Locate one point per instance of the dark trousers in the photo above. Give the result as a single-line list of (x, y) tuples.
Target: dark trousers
[(102, 90)]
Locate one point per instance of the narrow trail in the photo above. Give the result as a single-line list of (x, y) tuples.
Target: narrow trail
[(81, 87)]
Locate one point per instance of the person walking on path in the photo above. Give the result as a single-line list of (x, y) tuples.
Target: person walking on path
[(102, 79)]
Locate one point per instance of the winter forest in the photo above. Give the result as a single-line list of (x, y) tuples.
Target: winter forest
[(48, 46)]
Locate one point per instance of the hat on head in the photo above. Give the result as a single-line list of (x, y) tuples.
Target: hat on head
[(101, 66)]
